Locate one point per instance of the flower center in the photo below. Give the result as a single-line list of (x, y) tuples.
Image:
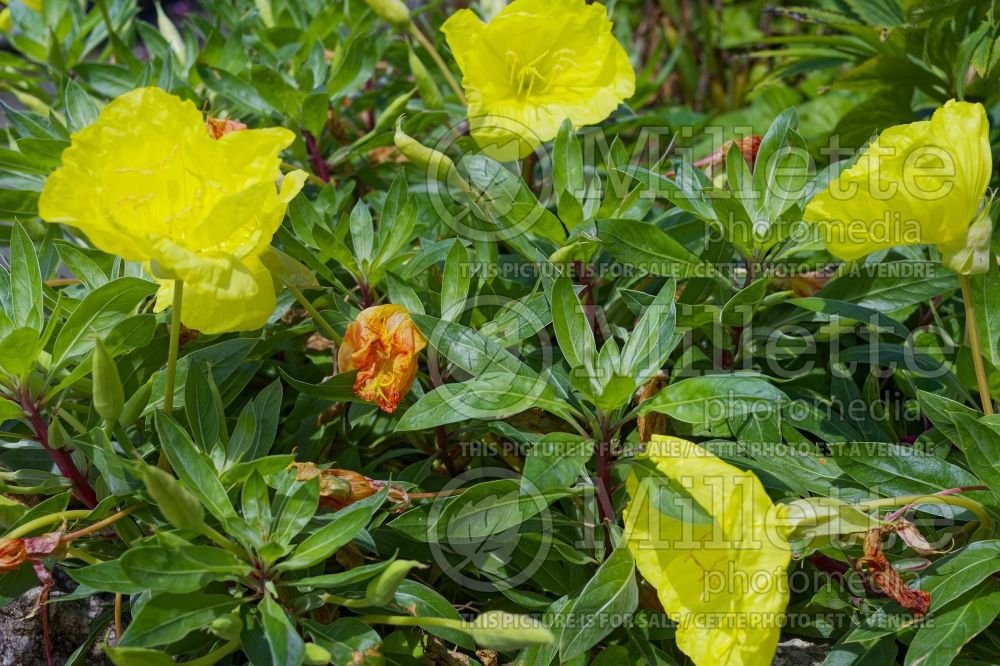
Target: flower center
[(537, 75)]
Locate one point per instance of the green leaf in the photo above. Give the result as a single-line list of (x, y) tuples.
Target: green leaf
[(203, 407), (573, 332), (608, 599), (99, 312), (555, 462), (126, 656), (25, 280), (288, 270), (503, 631), (349, 640), (467, 348), (294, 505), (455, 282), (107, 577), (193, 468), (739, 310), (19, 350), (652, 340), (286, 646), (185, 569), (851, 312), (956, 573), (647, 248), (170, 617), (892, 285), (81, 109), (425, 602), (362, 234), (981, 444), (342, 579), (986, 301), (494, 395), (769, 166), (891, 469), (714, 398), (487, 509), (567, 161), (343, 527), (940, 641)]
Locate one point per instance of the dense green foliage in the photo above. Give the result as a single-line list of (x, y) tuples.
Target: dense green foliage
[(629, 278)]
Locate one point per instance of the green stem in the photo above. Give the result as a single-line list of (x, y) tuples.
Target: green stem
[(222, 541), (972, 329), (985, 521), (345, 602), (175, 339), (409, 621), (438, 60), (81, 555), (42, 521), (215, 655), (318, 319)]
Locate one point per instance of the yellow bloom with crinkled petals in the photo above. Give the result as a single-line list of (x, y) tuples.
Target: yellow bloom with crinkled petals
[(720, 572), (536, 63), (920, 183), (148, 183)]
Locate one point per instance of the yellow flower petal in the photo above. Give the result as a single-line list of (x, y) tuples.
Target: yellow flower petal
[(723, 581), (917, 183), (535, 64), (147, 181), (221, 294)]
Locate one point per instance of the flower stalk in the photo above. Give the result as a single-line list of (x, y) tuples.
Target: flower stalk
[(421, 38), (972, 329)]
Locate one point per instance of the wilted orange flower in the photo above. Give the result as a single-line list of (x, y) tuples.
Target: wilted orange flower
[(382, 345), (337, 487), (12, 554), (219, 127)]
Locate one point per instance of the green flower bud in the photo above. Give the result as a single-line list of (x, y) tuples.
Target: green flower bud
[(316, 655), (136, 403), (109, 397), (175, 502), (429, 92), (437, 165), (393, 12), (227, 627), (385, 119), (382, 590)]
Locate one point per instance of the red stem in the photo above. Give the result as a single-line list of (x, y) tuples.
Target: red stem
[(60, 456), (46, 638), (604, 505), (319, 164)]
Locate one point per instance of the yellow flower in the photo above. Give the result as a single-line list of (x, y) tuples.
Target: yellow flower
[(382, 345), (720, 573), (148, 183), (535, 64), (915, 184)]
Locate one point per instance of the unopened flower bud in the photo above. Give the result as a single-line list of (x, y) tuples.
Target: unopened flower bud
[(393, 12), (436, 164), (109, 397), (174, 501)]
